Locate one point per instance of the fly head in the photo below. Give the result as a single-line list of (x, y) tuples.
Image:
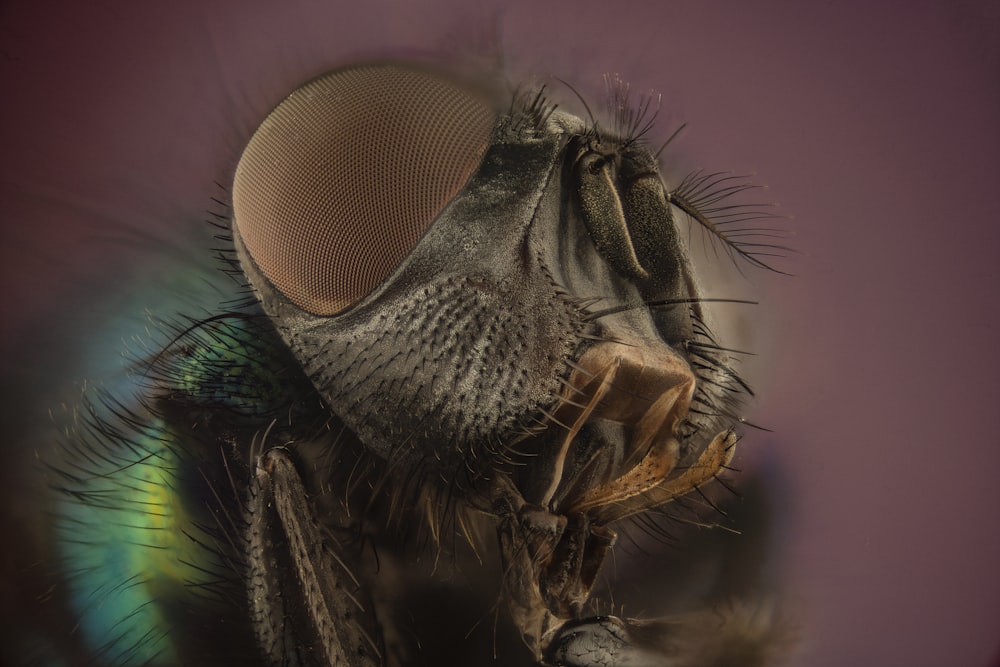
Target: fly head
[(495, 294)]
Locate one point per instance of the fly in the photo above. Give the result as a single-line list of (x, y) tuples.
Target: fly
[(464, 316)]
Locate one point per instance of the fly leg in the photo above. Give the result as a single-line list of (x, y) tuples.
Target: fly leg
[(306, 606), (550, 564)]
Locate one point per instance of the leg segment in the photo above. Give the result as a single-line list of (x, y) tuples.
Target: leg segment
[(306, 605)]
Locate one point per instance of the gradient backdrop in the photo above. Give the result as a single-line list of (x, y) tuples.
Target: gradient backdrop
[(876, 125)]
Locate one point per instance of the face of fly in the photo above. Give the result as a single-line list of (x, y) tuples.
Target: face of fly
[(494, 297)]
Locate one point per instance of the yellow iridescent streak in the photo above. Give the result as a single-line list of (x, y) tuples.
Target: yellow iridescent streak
[(130, 551)]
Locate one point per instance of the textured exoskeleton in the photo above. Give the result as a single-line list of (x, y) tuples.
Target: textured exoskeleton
[(473, 314)]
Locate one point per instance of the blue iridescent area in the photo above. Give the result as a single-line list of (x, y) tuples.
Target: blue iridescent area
[(128, 547), (150, 509)]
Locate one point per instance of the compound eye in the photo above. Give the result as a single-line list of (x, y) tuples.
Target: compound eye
[(343, 178)]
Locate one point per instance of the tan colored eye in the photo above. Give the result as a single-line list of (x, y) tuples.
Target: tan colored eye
[(344, 177)]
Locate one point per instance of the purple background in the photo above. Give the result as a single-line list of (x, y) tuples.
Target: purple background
[(877, 129)]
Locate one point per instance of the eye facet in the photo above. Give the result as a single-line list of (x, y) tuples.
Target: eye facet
[(343, 178)]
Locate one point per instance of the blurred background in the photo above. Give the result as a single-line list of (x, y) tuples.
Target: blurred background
[(877, 127)]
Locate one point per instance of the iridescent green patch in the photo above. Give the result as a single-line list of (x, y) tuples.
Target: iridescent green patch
[(128, 547)]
